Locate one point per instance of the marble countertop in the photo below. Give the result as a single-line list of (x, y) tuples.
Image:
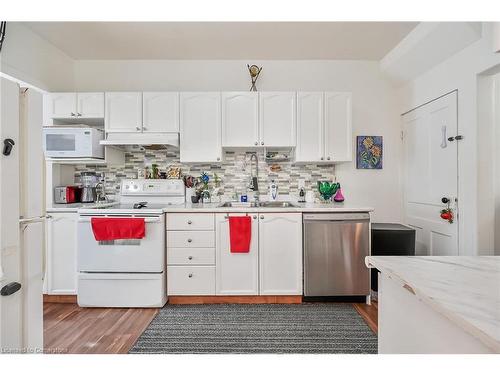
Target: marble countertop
[(298, 207), (466, 290), (74, 207)]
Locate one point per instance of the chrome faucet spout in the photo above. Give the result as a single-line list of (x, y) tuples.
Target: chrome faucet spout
[(254, 184)]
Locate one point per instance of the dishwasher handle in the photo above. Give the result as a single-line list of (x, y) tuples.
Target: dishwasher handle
[(337, 216)]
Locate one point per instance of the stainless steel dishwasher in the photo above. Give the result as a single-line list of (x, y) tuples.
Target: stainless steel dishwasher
[(335, 247)]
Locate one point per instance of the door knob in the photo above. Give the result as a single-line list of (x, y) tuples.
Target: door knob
[(445, 200)]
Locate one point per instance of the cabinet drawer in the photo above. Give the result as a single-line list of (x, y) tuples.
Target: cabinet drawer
[(191, 281), (191, 256), (190, 239), (190, 221)]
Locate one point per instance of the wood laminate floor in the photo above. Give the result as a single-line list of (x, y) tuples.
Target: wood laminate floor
[(72, 329)]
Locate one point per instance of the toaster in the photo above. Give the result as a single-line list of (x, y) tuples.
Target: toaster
[(67, 194)]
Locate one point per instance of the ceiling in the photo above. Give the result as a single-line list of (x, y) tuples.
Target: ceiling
[(224, 40)]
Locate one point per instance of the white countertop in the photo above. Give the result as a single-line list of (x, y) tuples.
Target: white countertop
[(298, 207), (74, 207), (465, 290)]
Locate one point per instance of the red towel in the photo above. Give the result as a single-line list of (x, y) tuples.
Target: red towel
[(112, 228), (240, 233)]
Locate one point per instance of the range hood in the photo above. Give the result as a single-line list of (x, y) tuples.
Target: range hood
[(154, 141)]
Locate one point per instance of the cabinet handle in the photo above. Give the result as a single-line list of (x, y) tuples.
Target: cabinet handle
[(137, 128), (255, 216), (190, 257), (256, 143), (328, 158), (72, 114), (144, 128), (322, 158), (262, 143), (190, 275), (190, 240), (218, 159), (262, 216), (190, 222), (78, 114)]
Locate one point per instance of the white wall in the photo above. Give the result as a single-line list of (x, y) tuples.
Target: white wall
[(30, 58), (374, 105), (459, 72)]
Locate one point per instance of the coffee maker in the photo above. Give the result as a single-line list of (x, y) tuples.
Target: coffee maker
[(89, 182)]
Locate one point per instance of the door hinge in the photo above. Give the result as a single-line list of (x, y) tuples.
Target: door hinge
[(402, 135)]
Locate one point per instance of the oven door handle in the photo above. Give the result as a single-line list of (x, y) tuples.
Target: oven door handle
[(86, 219)]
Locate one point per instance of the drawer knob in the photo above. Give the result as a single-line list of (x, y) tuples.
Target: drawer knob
[(190, 222), (262, 216), (190, 275), (190, 240), (255, 217), (190, 257)]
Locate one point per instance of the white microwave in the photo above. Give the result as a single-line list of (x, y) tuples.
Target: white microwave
[(60, 142)]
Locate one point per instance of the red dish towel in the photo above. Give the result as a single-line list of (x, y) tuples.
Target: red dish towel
[(112, 228), (240, 233)]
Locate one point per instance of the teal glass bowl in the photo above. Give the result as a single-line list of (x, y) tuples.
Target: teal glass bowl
[(327, 189)]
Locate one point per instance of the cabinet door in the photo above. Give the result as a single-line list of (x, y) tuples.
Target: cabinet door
[(160, 112), (236, 273), (310, 127), (338, 127), (61, 251), (123, 112), (240, 119), (200, 132), (90, 104), (280, 253), (63, 105), (277, 119)]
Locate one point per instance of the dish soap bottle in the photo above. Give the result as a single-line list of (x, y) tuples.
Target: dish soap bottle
[(339, 197), (273, 191)]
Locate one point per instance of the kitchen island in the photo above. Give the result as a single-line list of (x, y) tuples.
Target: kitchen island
[(438, 304)]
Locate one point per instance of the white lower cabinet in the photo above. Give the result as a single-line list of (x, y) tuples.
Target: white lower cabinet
[(191, 280), (280, 253), (236, 273), (61, 253)]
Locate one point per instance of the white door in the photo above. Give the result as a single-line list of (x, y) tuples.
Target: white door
[(61, 253), (32, 216), (160, 111), (277, 119), (236, 273), (63, 105), (280, 253), (123, 112), (10, 305), (200, 132), (430, 172), (310, 127), (90, 104), (338, 126), (240, 119)]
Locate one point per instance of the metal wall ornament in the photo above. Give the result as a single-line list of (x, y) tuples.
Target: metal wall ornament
[(254, 71)]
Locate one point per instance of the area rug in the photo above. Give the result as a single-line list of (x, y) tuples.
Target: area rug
[(267, 328)]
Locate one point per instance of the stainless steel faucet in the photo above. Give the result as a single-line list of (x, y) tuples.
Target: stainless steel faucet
[(254, 184)]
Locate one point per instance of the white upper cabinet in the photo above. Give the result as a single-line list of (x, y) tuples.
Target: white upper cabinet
[(277, 119), (90, 104), (338, 126), (62, 105), (240, 119), (160, 112), (200, 129), (310, 127), (280, 253), (324, 128), (70, 105), (236, 273), (123, 112)]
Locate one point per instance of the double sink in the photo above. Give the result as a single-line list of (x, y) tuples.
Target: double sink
[(284, 204)]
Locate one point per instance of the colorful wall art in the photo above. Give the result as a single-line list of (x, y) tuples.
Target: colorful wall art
[(369, 152)]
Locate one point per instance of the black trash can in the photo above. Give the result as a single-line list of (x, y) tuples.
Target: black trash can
[(391, 239)]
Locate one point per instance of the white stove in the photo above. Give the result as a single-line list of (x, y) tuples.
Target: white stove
[(127, 272)]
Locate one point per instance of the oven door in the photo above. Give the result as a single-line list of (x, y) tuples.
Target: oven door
[(144, 255)]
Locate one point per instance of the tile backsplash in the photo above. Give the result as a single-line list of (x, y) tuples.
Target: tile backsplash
[(234, 171)]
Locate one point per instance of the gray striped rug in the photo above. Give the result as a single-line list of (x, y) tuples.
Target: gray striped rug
[(273, 328)]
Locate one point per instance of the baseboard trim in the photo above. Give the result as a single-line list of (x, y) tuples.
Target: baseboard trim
[(197, 300), (60, 298)]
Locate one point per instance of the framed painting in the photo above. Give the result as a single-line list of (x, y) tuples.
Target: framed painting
[(369, 152)]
